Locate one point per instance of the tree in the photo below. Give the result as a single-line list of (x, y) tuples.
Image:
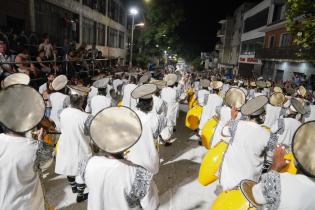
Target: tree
[(161, 19), (300, 18)]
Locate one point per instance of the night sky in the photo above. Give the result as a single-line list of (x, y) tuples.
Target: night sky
[(199, 29)]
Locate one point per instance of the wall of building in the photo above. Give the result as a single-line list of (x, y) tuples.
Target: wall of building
[(289, 68), (277, 34)]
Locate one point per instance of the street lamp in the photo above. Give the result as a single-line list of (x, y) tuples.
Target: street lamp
[(133, 13)]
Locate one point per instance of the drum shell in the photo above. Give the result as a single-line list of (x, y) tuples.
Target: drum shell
[(211, 163), (193, 117), (208, 131), (231, 200), (290, 168)]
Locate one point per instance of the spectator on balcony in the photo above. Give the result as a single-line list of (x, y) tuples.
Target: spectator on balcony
[(43, 67), (25, 67), (5, 69), (47, 47)]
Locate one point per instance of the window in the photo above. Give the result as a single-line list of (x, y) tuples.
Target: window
[(113, 10), (284, 40), (250, 46), (122, 19), (88, 31), (256, 21), (121, 40), (112, 40), (271, 41), (278, 12), (101, 34)]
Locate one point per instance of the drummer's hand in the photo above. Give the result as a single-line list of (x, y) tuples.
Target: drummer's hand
[(234, 113), (279, 162)]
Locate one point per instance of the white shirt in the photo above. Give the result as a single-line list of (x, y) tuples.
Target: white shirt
[(202, 97), (127, 100), (289, 127), (169, 95), (73, 145), (296, 191), (110, 181), (272, 115), (42, 88), (92, 93), (243, 159), (20, 186), (116, 83), (144, 152), (57, 100), (98, 103), (311, 116)]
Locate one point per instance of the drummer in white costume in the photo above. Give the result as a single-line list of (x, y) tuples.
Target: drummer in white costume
[(127, 100), (100, 101), (169, 95), (213, 103), (144, 152), (274, 109), (260, 88), (244, 157), (310, 107), (234, 97), (58, 99), (73, 144), (284, 191), (93, 92), (112, 181), (20, 157), (203, 93)]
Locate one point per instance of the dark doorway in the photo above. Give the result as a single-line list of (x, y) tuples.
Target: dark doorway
[(279, 75)]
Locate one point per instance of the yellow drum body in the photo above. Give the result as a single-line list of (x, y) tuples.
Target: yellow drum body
[(119, 104), (193, 117), (211, 163), (208, 131), (290, 168), (231, 200)]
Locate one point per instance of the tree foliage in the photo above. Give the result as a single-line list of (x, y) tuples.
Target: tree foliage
[(300, 17), (161, 19)]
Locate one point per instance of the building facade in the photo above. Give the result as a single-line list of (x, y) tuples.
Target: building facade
[(230, 37), (252, 39), (103, 22), (279, 54)]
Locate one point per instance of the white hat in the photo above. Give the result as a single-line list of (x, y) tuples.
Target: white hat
[(22, 108), (101, 83), (145, 78), (170, 79), (79, 90), (144, 91), (159, 83), (115, 129), (59, 82), (17, 78), (216, 84), (254, 106)]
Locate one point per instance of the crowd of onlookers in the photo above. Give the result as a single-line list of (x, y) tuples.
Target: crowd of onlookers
[(38, 56)]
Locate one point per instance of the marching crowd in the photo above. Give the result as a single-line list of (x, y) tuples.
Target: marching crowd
[(105, 132)]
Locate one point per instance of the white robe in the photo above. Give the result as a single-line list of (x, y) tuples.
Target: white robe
[(225, 116), (295, 191), (272, 115), (159, 106), (57, 100), (209, 110), (42, 88), (20, 188), (225, 88), (243, 159), (98, 103), (73, 145), (289, 128), (169, 95), (116, 83), (92, 93), (127, 100), (110, 180), (144, 152), (202, 97)]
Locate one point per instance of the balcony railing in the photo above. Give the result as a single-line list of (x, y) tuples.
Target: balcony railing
[(220, 33), (218, 47), (291, 53)]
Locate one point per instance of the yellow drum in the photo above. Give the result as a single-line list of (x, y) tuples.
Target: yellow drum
[(119, 104), (290, 168), (231, 200), (211, 163), (193, 117), (208, 131)]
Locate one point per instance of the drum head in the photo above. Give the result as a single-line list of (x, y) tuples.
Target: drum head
[(246, 188)]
